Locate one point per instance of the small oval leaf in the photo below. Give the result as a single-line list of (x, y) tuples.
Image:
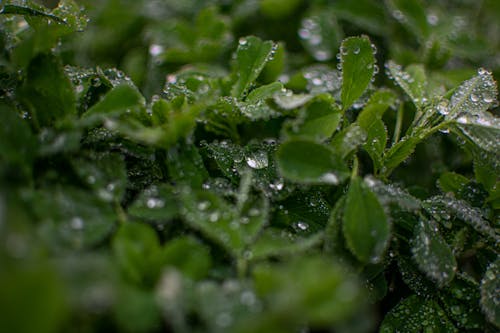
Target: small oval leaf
[(306, 161), (366, 227), (433, 256), (358, 67)]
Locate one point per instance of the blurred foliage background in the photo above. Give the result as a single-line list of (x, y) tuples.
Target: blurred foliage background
[(149, 38)]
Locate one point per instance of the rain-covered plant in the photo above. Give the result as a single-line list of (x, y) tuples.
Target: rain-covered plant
[(223, 182)]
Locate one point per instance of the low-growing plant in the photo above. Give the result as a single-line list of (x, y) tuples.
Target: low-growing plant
[(237, 184)]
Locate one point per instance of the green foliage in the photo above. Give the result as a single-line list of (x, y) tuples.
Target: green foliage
[(358, 66), (240, 166), (366, 228)]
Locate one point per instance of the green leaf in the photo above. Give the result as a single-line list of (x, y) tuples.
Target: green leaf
[(30, 10), (312, 288), (320, 33), (490, 285), (275, 67), (431, 253), (334, 242), (413, 278), (365, 225), (358, 68), (369, 15), (370, 120), (117, 101), (305, 161), (452, 182), (274, 242), (186, 166), (214, 218), (482, 131), (292, 101), (391, 194), (73, 218), (473, 97), (413, 81), (398, 153), (264, 92), (201, 39), (187, 255), (251, 57), (157, 203), (231, 227), (138, 253), (319, 119), (444, 205), (348, 140), (412, 14), (105, 174), (52, 142), (414, 315), (17, 143), (47, 91), (461, 302)]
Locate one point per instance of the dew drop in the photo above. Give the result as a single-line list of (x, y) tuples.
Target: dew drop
[(488, 99), (77, 223), (304, 34), (224, 319), (155, 50), (155, 203), (432, 19), (214, 217), (329, 178), (322, 55), (248, 298), (258, 160), (302, 226), (442, 108), (203, 205)]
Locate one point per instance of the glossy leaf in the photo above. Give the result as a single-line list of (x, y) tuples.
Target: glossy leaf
[(432, 254), (412, 14), (489, 293), (120, 99), (309, 162), (370, 120), (358, 68), (442, 207), (365, 224), (414, 314), (473, 97), (319, 119), (251, 57), (348, 140), (74, 218), (48, 91), (320, 33), (157, 203), (482, 132), (412, 80)]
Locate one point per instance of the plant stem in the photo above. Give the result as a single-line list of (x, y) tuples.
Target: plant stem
[(398, 125)]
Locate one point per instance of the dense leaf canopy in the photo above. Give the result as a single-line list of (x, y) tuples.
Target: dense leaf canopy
[(249, 166)]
